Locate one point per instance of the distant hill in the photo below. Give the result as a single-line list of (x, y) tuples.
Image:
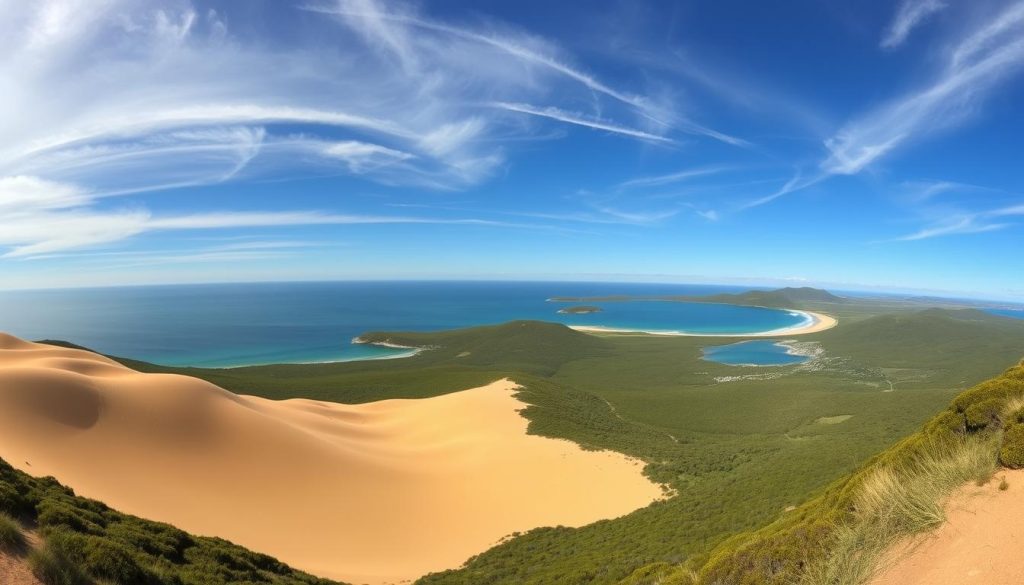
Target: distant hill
[(927, 338), (783, 297), (789, 297)]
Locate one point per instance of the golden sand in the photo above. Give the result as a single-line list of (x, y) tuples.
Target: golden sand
[(371, 493)]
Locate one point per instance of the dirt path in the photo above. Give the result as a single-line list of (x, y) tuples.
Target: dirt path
[(15, 571), (982, 541)]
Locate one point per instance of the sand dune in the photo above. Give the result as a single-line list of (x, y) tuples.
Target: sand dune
[(372, 493), (980, 542)]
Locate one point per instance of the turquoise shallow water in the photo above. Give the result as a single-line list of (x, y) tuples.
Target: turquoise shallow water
[(761, 352), (241, 324)]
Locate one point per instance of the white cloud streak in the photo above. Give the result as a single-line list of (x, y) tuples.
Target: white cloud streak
[(794, 184), (185, 100), (40, 217), (909, 15), (977, 64), (670, 178), (968, 223), (372, 15), (554, 113)]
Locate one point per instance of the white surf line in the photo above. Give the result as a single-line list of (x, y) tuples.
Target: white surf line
[(812, 323)]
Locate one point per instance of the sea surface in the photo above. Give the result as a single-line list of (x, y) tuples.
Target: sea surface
[(227, 325), (762, 352), (1012, 313)]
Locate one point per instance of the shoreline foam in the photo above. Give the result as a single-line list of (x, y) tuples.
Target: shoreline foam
[(813, 323)]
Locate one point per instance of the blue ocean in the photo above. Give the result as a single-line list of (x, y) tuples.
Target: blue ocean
[(227, 325), (1012, 313)]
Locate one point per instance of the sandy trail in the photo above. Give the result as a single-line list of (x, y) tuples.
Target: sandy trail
[(371, 493), (15, 571), (981, 542)]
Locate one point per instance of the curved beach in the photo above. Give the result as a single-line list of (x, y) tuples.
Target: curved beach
[(813, 323), (361, 493)]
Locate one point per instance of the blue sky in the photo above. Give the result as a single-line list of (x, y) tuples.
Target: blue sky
[(851, 144)]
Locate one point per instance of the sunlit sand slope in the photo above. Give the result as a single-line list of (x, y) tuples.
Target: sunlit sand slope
[(370, 493)]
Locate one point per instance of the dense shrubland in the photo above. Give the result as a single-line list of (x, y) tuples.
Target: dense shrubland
[(839, 537)]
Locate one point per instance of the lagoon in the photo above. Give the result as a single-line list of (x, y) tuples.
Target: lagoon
[(761, 352)]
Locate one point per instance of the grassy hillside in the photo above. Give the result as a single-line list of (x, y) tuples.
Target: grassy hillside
[(737, 445), (85, 542), (788, 297), (840, 536)]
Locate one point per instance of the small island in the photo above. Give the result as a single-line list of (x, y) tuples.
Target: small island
[(581, 310)]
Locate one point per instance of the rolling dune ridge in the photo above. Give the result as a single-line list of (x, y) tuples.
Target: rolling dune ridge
[(370, 493)]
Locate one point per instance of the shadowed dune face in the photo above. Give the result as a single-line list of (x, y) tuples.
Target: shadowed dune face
[(61, 397), (369, 493)]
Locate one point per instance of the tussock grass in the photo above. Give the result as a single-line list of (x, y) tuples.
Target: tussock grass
[(896, 502), (12, 538), (51, 566)]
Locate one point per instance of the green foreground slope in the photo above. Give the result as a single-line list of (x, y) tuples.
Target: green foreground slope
[(737, 446), (86, 542), (840, 536)]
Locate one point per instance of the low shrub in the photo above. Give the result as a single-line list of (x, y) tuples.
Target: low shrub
[(11, 501), (1011, 452), (947, 422), (56, 513), (1010, 385), (107, 560), (12, 539), (985, 412)]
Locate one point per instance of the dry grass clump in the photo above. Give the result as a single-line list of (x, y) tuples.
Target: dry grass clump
[(12, 537), (894, 502)]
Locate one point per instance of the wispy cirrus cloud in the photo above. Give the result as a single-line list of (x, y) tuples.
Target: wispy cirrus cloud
[(671, 178), (909, 15), (967, 223), (383, 93), (577, 119), (41, 217), (976, 65), (372, 18)]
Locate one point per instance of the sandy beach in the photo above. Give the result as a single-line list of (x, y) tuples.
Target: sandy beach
[(813, 323), (372, 493), (980, 542)]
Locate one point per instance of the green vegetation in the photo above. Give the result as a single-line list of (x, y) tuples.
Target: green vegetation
[(12, 537), (53, 567), (738, 447), (839, 537), (84, 542), (784, 297)]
